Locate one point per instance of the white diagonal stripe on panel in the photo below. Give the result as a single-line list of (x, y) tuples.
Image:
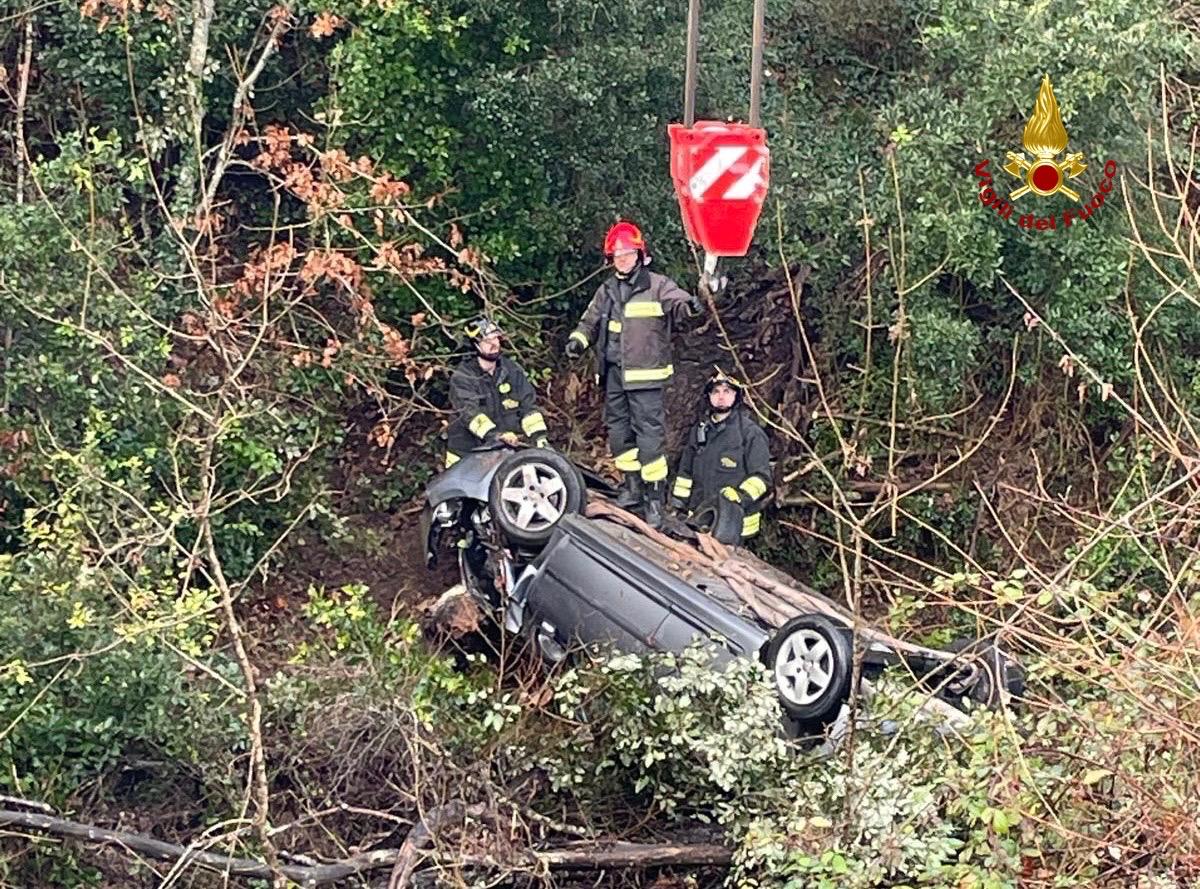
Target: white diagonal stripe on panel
[(746, 185), (714, 168)]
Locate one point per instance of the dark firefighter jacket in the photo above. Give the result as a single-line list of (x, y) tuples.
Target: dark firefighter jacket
[(730, 458), (486, 405), (641, 317)]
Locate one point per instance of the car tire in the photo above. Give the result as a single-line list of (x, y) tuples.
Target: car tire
[(530, 491), (811, 659), (997, 672), (722, 518)]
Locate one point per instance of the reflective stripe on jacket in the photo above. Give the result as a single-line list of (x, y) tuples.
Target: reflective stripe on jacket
[(643, 322), (734, 460)]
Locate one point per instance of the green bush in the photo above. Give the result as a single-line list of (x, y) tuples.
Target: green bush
[(93, 671)]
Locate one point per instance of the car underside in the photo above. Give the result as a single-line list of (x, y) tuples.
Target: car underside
[(541, 545)]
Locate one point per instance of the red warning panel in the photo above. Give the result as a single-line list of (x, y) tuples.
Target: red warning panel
[(720, 172)]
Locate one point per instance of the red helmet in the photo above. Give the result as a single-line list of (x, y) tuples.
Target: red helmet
[(623, 236)]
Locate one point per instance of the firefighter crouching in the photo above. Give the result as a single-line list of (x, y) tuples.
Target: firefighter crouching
[(726, 455), (629, 321), (493, 400)]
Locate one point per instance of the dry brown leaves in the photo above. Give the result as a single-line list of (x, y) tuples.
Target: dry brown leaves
[(14, 440), (381, 434), (277, 148), (470, 257), (192, 325), (322, 180), (387, 190), (335, 163), (332, 347), (325, 24), (334, 266), (394, 344), (265, 270), (104, 11)]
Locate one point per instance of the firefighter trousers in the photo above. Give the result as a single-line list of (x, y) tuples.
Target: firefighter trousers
[(636, 425)]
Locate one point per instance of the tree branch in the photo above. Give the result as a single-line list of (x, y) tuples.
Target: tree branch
[(575, 856), (22, 153), (162, 851), (241, 94), (22, 93), (258, 762)]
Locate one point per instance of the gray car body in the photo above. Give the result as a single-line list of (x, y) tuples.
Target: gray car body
[(469, 478), (596, 583)]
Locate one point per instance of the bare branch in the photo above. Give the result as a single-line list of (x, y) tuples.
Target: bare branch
[(245, 86), (22, 94), (162, 851), (254, 716)]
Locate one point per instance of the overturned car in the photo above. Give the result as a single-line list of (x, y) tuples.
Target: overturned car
[(539, 542)]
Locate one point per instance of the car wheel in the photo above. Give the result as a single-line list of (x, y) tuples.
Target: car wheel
[(722, 518), (811, 659), (986, 674), (530, 491)]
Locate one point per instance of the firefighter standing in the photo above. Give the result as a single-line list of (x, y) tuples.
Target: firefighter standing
[(726, 455), (629, 320), (492, 398)]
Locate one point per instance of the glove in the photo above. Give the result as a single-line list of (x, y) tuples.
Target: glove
[(731, 493), (694, 305), (574, 348), (713, 284)]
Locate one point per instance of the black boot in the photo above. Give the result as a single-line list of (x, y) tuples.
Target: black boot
[(653, 495), (631, 491)]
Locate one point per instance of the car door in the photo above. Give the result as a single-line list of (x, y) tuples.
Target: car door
[(592, 594)]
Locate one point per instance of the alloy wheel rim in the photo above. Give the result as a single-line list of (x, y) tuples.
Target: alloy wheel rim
[(804, 667), (533, 496)]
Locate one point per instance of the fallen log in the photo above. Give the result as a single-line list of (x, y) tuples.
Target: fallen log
[(605, 509), (591, 855), (594, 856), (422, 834), (315, 875), (770, 598), (636, 855)]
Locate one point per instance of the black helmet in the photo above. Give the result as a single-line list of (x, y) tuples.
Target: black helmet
[(481, 328), (719, 376), (477, 331)]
